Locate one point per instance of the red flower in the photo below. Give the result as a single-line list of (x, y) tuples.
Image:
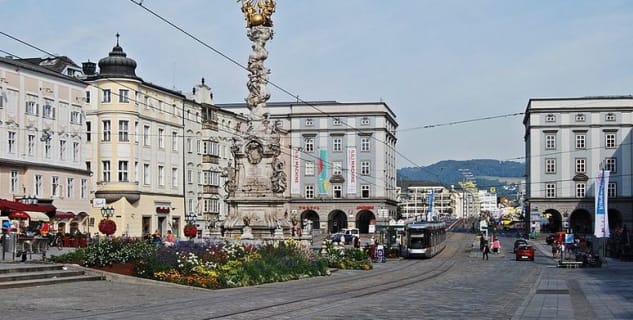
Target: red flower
[(191, 231), (107, 227)]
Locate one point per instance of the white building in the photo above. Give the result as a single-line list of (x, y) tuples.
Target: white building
[(416, 203), (487, 201), (42, 126), (568, 140), (342, 172)]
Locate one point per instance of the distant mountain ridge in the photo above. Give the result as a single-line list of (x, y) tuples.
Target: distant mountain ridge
[(486, 173)]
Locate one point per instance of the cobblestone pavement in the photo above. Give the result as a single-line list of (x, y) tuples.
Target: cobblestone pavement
[(457, 284)]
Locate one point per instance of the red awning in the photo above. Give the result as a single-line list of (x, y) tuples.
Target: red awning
[(64, 215), (18, 215), (17, 206)]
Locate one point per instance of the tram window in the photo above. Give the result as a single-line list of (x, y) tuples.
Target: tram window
[(417, 243)]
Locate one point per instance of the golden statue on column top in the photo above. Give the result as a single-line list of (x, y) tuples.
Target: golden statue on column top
[(258, 12)]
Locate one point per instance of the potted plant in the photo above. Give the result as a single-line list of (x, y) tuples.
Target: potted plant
[(107, 227), (191, 231)]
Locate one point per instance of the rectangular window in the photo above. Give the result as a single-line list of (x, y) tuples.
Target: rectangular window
[(70, 188), (610, 164), (337, 168), (189, 176), (55, 186), (161, 138), (609, 117), (88, 166), (105, 168), (364, 144), (580, 189), (550, 118), (11, 142), (309, 191), (337, 144), (309, 168), (31, 108), (364, 168), (550, 166), (137, 172), (84, 189), (48, 111), (13, 185), (364, 121), (550, 190), (612, 190), (308, 144), (336, 122), (364, 191), (136, 131), (38, 185), (62, 149), (337, 190), (30, 144), (123, 170), (75, 117), (309, 123), (107, 96), (75, 151), (146, 135), (580, 117), (610, 140), (580, 140), (47, 148), (146, 176), (88, 131), (174, 177), (106, 130), (123, 131), (161, 176), (123, 96), (550, 142), (581, 165), (174, 141), (87, 96), (189, 145)]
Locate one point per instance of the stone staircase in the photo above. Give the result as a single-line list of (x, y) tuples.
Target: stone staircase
[(29, 275)]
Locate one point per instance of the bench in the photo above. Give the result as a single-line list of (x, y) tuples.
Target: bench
[(571, 264)]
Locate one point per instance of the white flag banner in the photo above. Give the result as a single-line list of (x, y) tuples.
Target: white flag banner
[(295, 173), (601, 227), (351, 170)]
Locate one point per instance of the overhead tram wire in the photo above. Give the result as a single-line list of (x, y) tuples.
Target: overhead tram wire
[(360, 177), (294, 96)]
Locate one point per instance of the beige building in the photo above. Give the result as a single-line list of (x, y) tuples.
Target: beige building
[(135, 145), (41, 126)]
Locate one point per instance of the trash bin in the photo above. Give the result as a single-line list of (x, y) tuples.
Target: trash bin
[(8, 242)]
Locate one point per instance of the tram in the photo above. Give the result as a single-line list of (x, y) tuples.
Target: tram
[(424, 239)]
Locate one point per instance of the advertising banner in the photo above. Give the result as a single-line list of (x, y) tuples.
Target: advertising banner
[(295, 173), (601, 227), (351, 170), (324, 182)]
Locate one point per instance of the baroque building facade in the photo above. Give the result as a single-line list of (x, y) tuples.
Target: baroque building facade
[(42, 126), (568, 141), (342, 162)]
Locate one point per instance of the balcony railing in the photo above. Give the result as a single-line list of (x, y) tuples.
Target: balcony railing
[(207, 158)]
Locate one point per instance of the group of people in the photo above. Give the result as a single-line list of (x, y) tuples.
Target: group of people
[(157, 239), (485, 247)]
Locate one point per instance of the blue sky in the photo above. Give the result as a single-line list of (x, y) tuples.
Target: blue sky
[(432, 62)]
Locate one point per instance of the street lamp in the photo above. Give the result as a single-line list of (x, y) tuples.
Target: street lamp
[(107, 212), (191, 217)]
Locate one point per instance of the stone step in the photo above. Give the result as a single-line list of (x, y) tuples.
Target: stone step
[(48, 281), (25, 275)]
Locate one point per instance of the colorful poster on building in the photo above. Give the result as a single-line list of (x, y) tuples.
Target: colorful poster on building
[(324, 182), (351, 170), (295, 173), (601, 227)]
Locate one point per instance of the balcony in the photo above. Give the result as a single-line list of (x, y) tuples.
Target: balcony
[(210, 189), (210, 126), (207, 158)]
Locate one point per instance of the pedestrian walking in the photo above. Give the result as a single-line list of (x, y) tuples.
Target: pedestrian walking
[(485, 251), (496, 246)]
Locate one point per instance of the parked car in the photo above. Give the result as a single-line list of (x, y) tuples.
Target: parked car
[(347, 238), (519, 243), (352, 231), (524, 252)]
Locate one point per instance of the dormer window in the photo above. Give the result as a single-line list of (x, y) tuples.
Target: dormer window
[(580, 117), (550, 118), (609, 116)]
